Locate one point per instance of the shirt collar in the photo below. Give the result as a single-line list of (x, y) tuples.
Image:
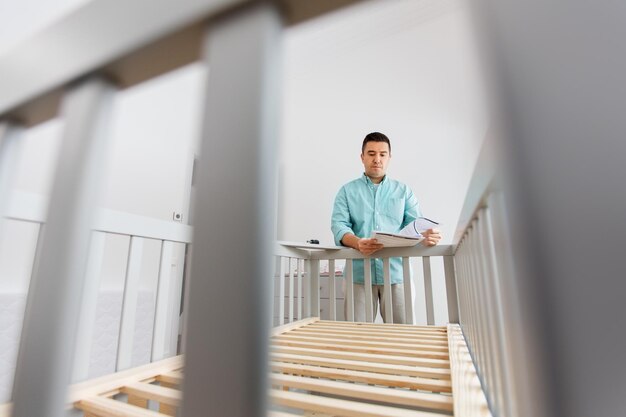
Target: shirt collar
[(368, 181)]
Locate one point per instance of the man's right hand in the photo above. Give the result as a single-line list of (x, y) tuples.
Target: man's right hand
[(368, 246)]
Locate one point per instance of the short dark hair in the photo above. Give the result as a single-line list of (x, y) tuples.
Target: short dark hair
[(375, 137)]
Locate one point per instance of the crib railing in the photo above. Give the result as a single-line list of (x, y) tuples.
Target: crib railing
[(298, 266), (172, 238)]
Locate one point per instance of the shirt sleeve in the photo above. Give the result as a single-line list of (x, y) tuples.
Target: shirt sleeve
[(340, 220), (411, 208)]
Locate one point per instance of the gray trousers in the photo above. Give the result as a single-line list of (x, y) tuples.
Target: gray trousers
[(378, 295)]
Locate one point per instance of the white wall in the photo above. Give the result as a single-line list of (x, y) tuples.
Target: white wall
[(416, 84), (404, 68)]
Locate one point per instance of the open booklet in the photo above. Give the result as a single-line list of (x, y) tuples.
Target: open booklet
[(410, 235)]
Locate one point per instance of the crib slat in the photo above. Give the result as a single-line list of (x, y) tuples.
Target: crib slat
[(137, 401), (412, 352), (397, 339), (350, 340), (331, 286), (368, 357), (356, 391), (272, 287), (387, 291), (349, 290), (129, 307), (171, 378), (346, 408), (87, 320), (109, 407), (306, 285), (300, 278), (53, 305), (281, 293), (365, 366), (367, 282), (428, 291), (315, 287), (291, 290), (240, 130), (408, 291), (164, 310), (153, 392), (164, 408), (416, 383), (451, 294)]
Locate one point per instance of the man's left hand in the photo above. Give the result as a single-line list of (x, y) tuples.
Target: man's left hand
[(431, 237)]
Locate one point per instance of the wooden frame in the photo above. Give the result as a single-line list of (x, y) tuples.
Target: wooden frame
[(396, 375)]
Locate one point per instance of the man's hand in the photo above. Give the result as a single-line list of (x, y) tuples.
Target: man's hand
[(431, 237), (368, 246)]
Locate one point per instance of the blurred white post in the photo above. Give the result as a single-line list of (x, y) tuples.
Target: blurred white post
[(226, 350), (166, 292), (48, 338), (281, 292), (129, 306), (89, 306)]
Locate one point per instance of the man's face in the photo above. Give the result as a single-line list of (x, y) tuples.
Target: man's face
[(375, 158)]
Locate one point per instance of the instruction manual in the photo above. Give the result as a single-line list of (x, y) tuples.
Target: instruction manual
[(410, 235)]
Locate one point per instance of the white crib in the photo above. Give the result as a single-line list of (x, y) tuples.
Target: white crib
[(506, 285)]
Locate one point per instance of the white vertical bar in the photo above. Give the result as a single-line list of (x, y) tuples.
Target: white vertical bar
[(315, 287), (332, 294), (87, 320), (46, 350), (281, 292), (291, 291), (236, 195), (500, 385), (347, 276), (129, 306), (176, 291), (387, 290), (487, 329), (162, 313), (451, 293), (367, 282), (275, 274), (300, 277), (408, 291), (428, 291), (306, 285)]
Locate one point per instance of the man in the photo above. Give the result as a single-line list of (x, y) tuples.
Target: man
[(371, 203)]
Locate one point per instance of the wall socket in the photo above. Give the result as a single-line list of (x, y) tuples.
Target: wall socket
[(177, 217)]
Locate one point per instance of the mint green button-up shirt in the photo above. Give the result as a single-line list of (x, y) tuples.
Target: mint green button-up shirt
[(362, 207)]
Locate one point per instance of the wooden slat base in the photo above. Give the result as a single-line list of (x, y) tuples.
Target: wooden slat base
[(358, 369), (320, 368)]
